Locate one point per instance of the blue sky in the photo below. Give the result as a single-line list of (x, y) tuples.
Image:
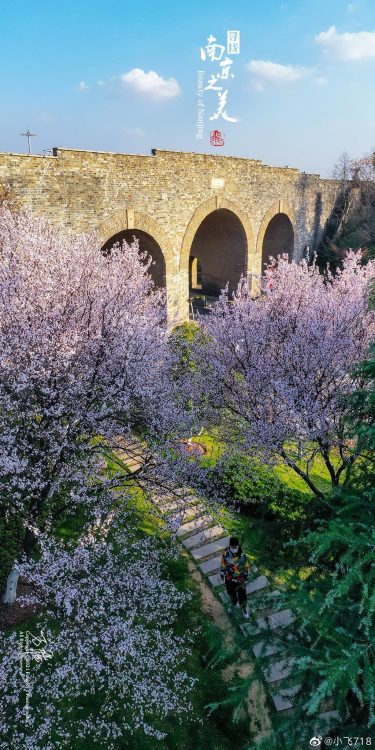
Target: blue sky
[(78, 74)]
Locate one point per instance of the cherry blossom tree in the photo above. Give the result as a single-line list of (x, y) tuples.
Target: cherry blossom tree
[(107, 661), (84, 365), (275, 372)]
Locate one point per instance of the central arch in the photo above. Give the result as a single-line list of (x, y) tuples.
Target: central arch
[(218, 246)]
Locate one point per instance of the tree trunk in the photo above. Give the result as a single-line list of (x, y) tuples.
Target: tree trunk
[(10, 595)]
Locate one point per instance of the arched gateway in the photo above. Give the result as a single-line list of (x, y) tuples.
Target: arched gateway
[(220, 247), (217, 247)]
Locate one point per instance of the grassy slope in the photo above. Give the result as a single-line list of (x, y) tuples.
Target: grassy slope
[(257, 534), (319, 473)]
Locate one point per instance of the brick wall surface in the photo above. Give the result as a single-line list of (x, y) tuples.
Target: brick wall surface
[(168, 195)]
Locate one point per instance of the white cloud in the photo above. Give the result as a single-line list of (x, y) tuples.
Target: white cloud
[(352, 7), (83, 86), (264, 70), (347, 46), (100, 84), (321, 81), (150, 84)]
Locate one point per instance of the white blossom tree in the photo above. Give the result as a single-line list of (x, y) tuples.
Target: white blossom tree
[(275, 372), (84, 364), (116, 666)]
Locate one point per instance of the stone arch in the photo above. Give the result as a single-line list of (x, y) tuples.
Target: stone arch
[(222, 206), (280, 218), (123, 222)]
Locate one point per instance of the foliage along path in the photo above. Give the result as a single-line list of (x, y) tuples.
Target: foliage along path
[(204, 540)]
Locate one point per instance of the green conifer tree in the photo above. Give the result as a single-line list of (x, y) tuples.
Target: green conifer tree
[(333, 597)]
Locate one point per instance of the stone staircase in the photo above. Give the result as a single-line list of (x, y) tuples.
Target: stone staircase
[(206, 547), (205, 539)]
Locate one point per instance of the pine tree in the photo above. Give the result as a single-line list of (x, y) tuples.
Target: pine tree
[(335, 601)]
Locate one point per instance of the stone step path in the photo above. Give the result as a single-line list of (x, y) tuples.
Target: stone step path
[(278, 670), (257, 584), (274, 621), (210, 549), (202, 548), (209, 565), (261, 648), (282, 699), (206, 547), (206, 540), (215, 580), (204, 536), (176, 503), (189, 512), (194, 525)]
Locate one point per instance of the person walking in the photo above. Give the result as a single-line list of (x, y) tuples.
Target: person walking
[(234, 570)]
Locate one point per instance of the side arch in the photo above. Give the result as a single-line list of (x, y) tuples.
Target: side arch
[(278, 208), (131, 219), (200, 213)]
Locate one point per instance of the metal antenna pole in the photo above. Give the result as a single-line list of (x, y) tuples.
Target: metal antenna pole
[(29, 135)]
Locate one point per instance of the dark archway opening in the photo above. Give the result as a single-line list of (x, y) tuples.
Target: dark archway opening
[(218, 253), (147, 244), (278, 239)]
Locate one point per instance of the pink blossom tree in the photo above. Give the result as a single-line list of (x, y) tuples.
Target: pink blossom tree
[(84, 364), (110, 664), (275, 372)]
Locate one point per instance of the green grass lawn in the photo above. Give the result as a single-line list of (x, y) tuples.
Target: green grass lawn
[(260, 537), (319, 474)]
